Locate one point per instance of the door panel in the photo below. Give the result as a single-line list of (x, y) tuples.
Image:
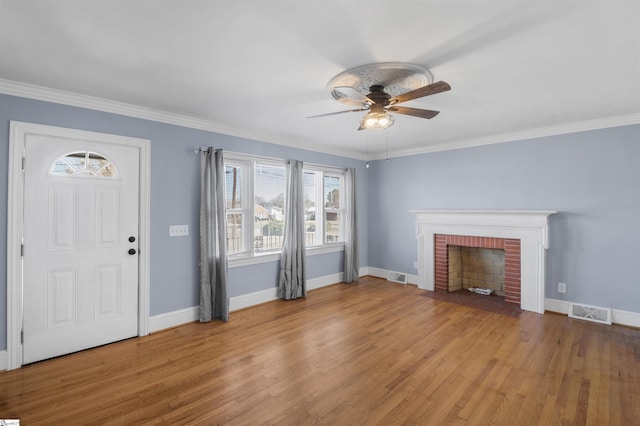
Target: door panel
[(80, 282), (108, 220), (108, 288), (63, 217), (62, 286)]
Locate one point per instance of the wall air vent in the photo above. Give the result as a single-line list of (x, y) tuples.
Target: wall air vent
[(590, 313), (397, 277)]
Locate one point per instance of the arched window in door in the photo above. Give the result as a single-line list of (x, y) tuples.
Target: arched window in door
[(84, 163)]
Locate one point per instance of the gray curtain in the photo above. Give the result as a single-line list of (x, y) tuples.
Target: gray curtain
[(292, 283), (214, 302), (351, 266)]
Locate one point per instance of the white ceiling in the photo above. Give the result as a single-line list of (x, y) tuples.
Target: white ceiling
[(257, 69)]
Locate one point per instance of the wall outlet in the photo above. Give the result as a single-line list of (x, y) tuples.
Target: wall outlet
[(562, 287), (178, 230), (415, 264)]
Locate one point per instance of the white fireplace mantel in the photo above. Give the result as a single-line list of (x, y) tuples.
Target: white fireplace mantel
[(531, 227)]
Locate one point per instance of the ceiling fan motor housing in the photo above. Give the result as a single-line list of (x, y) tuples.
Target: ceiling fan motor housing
[(379, 97)]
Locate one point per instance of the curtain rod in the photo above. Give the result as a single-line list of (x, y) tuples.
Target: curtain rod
[(200, 149)]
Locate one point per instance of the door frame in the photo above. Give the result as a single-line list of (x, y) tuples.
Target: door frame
[(15, 214)]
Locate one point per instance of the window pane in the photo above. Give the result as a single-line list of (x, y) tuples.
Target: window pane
[(333, 230), (84, 163), (96, 163), (333, 212), (310, 191), (234, 232), (269, 190), (233, 188), (332, 192)]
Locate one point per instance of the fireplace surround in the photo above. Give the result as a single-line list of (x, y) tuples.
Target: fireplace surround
[(529, 227)]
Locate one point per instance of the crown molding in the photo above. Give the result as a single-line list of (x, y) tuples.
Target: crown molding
[(41, 93), (31, 91), (559, 129)]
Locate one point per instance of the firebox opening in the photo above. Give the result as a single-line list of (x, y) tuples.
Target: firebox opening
[(476, 267)]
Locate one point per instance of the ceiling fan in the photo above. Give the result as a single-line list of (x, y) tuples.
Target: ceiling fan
[(379, 103)]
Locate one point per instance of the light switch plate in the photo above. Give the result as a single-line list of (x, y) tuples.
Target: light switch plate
[(178, 230)]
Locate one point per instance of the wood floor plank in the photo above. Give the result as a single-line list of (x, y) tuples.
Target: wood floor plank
[(369, 353)]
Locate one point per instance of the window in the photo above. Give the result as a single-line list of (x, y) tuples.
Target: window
[(255, 193), (270, 188), (84, 163), (333, 208), (324, 211), (313, 227), (236, 206)]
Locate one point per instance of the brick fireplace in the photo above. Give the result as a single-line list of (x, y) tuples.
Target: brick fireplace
[(511, 249), (523, 234)]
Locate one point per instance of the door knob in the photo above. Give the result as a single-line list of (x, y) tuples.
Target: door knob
[(132, 239), (132, 251)]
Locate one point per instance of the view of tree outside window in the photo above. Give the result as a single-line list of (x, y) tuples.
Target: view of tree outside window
[(270, 186)]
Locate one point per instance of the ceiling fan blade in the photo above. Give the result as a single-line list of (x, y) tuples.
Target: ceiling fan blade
[(431, 89), (339, 112), (351, 94), (416, 112)]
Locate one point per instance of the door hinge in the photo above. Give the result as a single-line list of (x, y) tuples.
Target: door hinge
[(21, 250), (24, 163), (22, 336)]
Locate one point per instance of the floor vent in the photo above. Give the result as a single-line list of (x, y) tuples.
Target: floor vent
[(590, 313), (397, 277)]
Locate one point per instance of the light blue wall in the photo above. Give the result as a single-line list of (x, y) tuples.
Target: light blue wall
[(174, 199), (591, 178)]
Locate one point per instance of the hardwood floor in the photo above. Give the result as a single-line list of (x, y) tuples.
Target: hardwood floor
[(357, 354)]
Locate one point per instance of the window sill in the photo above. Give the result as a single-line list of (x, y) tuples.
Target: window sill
[(327, 248), (254, 260), (273, 257)]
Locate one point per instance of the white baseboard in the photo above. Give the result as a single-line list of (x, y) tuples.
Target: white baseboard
[(252, 299), (184, 316), (631, 319), (314, 283), (377, 272), (4, 360), (557, 306), (172, 319)]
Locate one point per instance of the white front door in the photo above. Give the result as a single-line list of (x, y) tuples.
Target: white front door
[(81, 213)]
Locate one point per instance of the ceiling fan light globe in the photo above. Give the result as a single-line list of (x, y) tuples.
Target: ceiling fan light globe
[(377, 121)]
